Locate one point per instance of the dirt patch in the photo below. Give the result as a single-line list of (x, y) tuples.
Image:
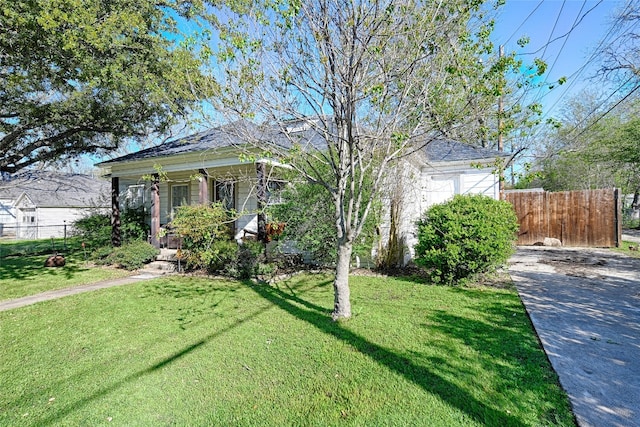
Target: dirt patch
[(589, 263)]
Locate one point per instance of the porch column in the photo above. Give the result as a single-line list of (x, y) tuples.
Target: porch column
[(203, 193), (155, 210), (116, 238), (261, 195)]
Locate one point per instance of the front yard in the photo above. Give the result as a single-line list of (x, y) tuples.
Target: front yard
[(22, 270), (199, 351)]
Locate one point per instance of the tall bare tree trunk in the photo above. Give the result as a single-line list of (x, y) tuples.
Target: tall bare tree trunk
[(342, 302)]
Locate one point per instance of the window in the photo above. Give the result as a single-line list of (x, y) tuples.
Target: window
[(225, 193), (179, 196), (29, 216)]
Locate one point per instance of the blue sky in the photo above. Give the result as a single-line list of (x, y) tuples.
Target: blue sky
[(563, 33)]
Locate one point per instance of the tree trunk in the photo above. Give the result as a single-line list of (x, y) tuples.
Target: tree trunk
[(116, 237), (261, 196), (342, 303)]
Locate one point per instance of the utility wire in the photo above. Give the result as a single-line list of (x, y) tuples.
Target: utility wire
[(523, 22), (544, 47), (606, 112), (553, 30)]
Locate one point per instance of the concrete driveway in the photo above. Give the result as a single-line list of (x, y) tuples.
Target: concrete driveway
[(585, 307)]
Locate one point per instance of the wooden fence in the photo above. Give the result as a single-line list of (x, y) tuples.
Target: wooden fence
[(577, 218)]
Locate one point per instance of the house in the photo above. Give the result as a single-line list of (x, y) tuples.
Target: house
[(214, 166), (42, 204)]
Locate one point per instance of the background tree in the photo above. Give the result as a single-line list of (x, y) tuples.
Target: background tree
[(82, 76), (595, 143), (565, 158), (621, 59), (377, 79)]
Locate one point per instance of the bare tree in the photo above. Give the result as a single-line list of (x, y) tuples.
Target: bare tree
[(622, 55), (376, 80)]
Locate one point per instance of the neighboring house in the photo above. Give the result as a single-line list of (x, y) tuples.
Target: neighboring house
[(39, 204), (209, 166)]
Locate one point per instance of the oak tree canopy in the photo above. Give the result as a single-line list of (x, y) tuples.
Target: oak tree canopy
[(82, 76)]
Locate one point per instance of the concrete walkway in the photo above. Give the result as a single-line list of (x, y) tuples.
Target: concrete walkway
[(59, 293), (585, 307)]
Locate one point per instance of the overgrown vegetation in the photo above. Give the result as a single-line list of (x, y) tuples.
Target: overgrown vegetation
[(207, 242), (94, 230), (206, 236), (308, 212), (134, 225), (468, 235)]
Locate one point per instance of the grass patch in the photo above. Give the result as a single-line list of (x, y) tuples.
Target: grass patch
[(197, 351), (26, 275), (624, 248), (30, 247)]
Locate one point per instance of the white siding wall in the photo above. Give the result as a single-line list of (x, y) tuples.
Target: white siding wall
[(424, 188), (439, 188), (480, 182), (8, 216)]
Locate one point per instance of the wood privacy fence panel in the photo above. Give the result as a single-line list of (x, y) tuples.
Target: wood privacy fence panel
[(576, 218)]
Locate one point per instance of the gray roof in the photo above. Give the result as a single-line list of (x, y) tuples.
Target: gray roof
[(218, 137), (237, 134), (53, 189), (441, 150)]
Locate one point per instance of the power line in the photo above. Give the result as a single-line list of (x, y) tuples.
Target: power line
[(608, 111), (554, 28), (572, 79), (523, 22), (566, 39), (544, 47)]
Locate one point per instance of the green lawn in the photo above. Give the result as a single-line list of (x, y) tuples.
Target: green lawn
[(624, 248), (199, 351), (26, 275)]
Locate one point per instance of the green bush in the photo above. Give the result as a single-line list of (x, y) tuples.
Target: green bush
[(221, 257), (250, 260), (206, 233), (94, 230), (308, 211), (465, 236), (132, 256), (133, 224)]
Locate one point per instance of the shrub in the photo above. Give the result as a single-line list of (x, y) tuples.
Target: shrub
[(250, 260), (465, 236), (221, 257), (206, 234), (94, 230), (132, 256), (309, 214), (133, 224)]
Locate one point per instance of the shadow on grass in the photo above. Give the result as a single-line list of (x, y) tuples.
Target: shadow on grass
[(29, 267), (55, 419), (430, 381)]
